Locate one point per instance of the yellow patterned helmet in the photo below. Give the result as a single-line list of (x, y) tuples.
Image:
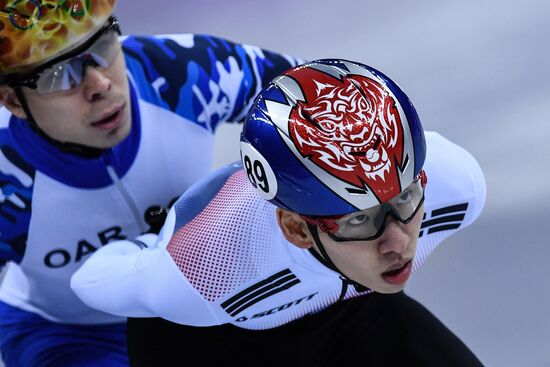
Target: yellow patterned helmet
[(33, 32)]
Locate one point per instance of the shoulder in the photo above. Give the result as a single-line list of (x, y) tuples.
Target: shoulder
[(456, 184), (206, 193), (179, 50), (195, 45), (222, 203), (204, 78), (220, 229)]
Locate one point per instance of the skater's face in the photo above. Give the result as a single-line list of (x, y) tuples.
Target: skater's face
[(383, 264), (92, 110)]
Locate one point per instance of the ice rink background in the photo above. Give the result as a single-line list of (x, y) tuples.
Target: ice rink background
[(479, 73)]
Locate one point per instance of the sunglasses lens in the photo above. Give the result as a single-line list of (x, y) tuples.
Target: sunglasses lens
[(68, 74), (407, 202), (359, 225), (60, 77), (368, 224)]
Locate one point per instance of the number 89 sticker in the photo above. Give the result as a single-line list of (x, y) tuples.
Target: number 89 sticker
[(259, 172)]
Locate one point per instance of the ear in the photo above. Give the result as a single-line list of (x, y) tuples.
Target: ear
[(294, 228), (9, 99)]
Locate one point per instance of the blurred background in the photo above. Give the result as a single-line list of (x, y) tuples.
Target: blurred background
[(478, 72)]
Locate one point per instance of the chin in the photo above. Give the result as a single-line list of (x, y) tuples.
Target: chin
[(118, 135), (389, 288)]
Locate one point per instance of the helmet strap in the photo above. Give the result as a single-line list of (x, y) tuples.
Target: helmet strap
[(323, 257), (73, 148), (25, 106)]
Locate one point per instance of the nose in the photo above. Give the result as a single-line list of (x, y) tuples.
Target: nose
[(96, 83), (393, 239)]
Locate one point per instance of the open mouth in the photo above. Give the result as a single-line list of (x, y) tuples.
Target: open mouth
[(399, 275), (110, 122), (107, 119)]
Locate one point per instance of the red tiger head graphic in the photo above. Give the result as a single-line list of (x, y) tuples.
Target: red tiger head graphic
[(351, 128)]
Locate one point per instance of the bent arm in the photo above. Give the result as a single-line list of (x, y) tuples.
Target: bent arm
[(205, 79), (128, 279)]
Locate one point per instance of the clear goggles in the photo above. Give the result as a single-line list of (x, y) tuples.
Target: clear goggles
[(68, 73), (369, 224)]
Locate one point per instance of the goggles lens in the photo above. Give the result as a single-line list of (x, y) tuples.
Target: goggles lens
[(68, 74), (369, 224)]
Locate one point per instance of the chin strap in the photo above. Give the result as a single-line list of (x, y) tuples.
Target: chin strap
[(72, 148), (326, 260)]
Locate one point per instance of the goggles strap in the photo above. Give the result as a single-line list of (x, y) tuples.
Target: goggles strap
[(325, 260), (25, 106)]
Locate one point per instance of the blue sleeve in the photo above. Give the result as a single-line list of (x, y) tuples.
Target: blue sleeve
[(204, 79), (16, 187)]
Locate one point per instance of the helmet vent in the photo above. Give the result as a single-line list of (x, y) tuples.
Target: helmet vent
[(356, 191)]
